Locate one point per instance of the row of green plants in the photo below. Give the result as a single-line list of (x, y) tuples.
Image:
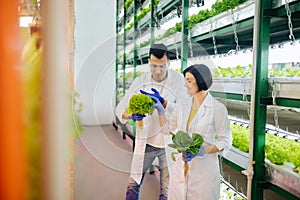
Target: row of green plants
[(278, 150), (128, 75), (239, 72), (141, 15), (131, 74), (246, 71), (128, 3), (228, 193), (218, 7), (230, 72)]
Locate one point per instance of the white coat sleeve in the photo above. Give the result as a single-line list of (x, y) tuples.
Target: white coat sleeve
[(222, 127), (179, 92), (172, 121)]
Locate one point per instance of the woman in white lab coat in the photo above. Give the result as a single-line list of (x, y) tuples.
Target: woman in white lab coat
[(206, 116)]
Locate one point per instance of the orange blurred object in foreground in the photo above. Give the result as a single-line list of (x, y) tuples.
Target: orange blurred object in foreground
[(12, 141)]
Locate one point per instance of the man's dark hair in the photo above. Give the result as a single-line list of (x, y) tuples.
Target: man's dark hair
[(158, 50)]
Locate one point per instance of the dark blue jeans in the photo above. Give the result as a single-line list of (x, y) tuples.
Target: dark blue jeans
[(133, 189)]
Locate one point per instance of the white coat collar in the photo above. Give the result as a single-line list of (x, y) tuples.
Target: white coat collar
[(207, 103)]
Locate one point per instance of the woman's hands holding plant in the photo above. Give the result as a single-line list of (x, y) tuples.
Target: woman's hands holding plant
[(186, 157)]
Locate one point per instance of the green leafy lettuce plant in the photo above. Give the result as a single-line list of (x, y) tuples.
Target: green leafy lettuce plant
[(183, 143), (140, 104)]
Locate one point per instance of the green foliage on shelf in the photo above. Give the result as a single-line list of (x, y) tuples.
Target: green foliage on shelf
[(198, 18), (120, 94), (218, 7), (121, 55), (241, 137), (284, 72), (140, 16), (143, 13), (246, 71), (138, 73), (230, 72), (129, 75), (128, 3), (277, 149), (167, 33), (143, 44), (129, 26), (222, 5)]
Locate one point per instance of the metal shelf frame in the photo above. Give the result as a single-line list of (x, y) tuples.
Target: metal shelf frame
[(287, 90)]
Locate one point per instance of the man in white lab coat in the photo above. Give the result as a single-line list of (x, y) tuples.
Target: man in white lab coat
[(168, 86)]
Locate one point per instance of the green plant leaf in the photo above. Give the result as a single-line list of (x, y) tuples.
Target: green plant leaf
[(183, 143)]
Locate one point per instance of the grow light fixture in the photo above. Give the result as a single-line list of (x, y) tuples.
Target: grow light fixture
[(280, 46)]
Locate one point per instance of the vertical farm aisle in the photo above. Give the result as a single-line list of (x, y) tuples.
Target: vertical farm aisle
[(101, 167)]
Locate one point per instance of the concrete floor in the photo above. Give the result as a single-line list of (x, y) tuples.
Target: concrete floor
[(101, 168), (102, 163)]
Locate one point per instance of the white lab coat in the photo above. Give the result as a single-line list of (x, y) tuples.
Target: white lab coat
[(203, 179), (173, 91)]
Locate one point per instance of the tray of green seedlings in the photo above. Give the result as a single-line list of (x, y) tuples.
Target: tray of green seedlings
[(237, 80), (229, 192), (282, 154)]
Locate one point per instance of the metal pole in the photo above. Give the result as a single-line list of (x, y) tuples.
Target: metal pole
[(259, 87), (152, 23), (117, 51), (135, 57), (184, 31), (124, 47)]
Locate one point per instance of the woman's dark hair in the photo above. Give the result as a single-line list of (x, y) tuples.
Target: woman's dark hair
[(158, 50), (202, 75)]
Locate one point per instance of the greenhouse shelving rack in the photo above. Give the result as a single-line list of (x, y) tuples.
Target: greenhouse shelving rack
[(280, 176), (271, 27), (223, 29), (287, 90)]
